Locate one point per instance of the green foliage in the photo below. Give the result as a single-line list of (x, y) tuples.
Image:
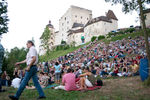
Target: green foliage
[(129, 5), (122, 36), (130, 30), (12, 57), (93, 38), (3, 17), (112, 34), (101, 37), (57, 53), (63, 42), (62, 47), (45, 38)]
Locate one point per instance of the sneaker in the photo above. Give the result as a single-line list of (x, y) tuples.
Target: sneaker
[(43, 97), (13, 97)]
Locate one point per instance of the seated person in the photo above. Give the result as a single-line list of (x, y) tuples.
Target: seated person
[(5, 79), (104, 71), (44, 79), (87, 79), (68, 81), (16, 82), (135, 69), (114, 72), (124, 72)]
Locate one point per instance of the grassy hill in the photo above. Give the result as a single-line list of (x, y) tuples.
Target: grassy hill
[(58, 53), (55, 54)]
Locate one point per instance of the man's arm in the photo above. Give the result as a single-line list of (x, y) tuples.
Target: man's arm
[(18, 63)]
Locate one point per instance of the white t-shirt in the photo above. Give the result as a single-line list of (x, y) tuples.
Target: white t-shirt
[(32, 52), (16, 83)]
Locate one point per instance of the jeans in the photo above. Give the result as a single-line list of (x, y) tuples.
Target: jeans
[(0, 84), (103, 73), (31, 74), (4, 82)]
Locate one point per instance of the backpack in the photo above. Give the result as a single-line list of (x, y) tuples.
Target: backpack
[(99, 82)]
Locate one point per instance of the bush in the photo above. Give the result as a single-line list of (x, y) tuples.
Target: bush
[(62, 47), (93, 38), (63, 42), (130, 30), (101, 37)]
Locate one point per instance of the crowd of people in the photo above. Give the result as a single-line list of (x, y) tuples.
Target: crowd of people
[(120, 58), (79, 69)]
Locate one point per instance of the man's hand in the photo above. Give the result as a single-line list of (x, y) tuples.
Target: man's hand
[(28, 68), (18, 63)]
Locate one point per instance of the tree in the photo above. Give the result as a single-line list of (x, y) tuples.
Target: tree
[(3, 17), (137, 5), (45, 38), (10, 58)]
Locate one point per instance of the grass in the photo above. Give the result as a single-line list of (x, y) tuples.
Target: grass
[(130, 88), (122, 36), (55, 54)]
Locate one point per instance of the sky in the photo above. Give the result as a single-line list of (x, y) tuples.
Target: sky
[(28, 18)]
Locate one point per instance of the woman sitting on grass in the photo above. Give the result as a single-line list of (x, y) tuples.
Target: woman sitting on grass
[(43, 80), (87, 79)]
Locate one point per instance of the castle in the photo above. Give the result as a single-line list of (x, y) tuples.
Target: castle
[(77, 24)]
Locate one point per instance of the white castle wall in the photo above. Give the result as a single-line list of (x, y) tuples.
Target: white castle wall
[(99, 28), (73, 14), (147, 21)]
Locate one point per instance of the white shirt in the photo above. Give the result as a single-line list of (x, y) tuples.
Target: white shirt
[(16, 83), (32, 52)]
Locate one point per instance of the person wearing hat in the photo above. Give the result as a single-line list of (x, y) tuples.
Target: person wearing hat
[(31, 70)]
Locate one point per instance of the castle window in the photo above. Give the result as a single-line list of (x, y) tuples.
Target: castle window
[(76, 16), (81, 17), (62, 24), (87, 18), (67, 22), (65, 18)]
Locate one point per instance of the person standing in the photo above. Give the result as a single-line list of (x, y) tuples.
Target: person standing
[(1, 62), (57, 72), (31, 70)]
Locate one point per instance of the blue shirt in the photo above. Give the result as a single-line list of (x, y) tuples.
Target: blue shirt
[(57, 69)]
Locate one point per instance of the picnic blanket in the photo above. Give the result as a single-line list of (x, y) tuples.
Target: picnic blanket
[(91, 88), (50, 86)]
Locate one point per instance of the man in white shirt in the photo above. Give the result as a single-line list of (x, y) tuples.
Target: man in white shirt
[(31, 70)]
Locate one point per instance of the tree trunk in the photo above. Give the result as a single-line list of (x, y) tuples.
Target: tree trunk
[(145, 32)]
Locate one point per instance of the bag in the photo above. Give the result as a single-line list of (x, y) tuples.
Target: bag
[(99, 82)]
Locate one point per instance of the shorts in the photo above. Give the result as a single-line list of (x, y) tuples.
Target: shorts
[(57, 76), (88, 83)]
